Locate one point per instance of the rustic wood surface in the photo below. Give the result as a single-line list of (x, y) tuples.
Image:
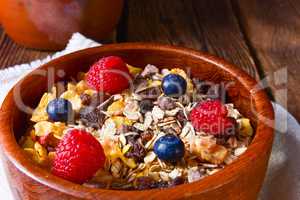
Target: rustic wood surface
[(262, 37)]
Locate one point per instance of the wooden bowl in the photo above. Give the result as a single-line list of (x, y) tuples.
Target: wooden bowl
[(240, 180)]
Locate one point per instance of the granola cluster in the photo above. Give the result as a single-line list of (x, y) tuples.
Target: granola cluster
[(128, 124)]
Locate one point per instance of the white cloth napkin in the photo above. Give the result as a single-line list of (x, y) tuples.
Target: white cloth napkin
[(283, 176)]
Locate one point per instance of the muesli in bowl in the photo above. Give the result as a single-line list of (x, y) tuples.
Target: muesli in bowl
[(122, 127)]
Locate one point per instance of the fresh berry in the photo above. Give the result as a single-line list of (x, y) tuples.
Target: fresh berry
[(174, 85), (60, 110), (78, 157), (109, 74), (169, 148), (211, 117)]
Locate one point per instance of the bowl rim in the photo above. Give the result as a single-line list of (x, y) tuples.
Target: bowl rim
[(261, 143)]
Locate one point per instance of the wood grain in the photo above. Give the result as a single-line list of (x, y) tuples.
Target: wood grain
[(240, 180), (12, 53), (208, 25), (273, 31)]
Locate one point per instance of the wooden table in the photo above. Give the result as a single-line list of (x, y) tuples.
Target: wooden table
[(260, 36)]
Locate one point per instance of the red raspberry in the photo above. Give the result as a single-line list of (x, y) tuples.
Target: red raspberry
[(78, 157), (211, 117), (109, 74)]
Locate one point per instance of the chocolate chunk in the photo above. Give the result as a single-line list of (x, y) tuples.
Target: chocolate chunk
[(177, 181), (92, 117), (150, 93), (166, 103), (144, 182), (139, 84), (138, 151), (146, 105)]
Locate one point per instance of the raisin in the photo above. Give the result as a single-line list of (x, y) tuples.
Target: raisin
[(123, 129), (160, 184), (181, 117), (146, 105), (85, 99), (138, 152), (144, 182), (146, 136), (177, 181)]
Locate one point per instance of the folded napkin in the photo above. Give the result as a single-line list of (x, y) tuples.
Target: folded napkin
[(283, 176)]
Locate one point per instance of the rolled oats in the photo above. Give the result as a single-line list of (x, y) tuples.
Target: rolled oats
[(128, 125)]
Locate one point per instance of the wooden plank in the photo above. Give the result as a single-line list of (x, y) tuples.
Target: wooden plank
[(273, 31), (12, 53), (208, 25)]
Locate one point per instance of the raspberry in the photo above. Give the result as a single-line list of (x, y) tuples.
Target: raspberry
[(78, 157), (109, 74), (211, 117)]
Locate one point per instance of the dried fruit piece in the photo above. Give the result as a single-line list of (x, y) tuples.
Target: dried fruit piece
[(245, 127), (40, 113), (133, 70), (74, 98), (44, 127), (116, 108)]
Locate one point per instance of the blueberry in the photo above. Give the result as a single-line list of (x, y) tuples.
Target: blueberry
[(169, 148), (60, 110), (174, 85)]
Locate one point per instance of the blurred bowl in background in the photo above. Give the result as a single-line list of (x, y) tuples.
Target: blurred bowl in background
[(48, 25)]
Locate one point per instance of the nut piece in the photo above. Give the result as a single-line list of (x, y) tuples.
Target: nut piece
[(166, 103), (157, 113), (149, 70), (131, 110)]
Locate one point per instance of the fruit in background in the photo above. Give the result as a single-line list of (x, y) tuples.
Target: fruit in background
[(174, 85), (169, 148), (109, 74), (211, 117), (78, 157), (60, 110)]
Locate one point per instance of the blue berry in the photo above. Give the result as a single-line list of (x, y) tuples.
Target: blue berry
[(60, 110), (174, 85), (169, 148)]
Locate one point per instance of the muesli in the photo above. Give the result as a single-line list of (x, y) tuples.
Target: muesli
[(122, 127)]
